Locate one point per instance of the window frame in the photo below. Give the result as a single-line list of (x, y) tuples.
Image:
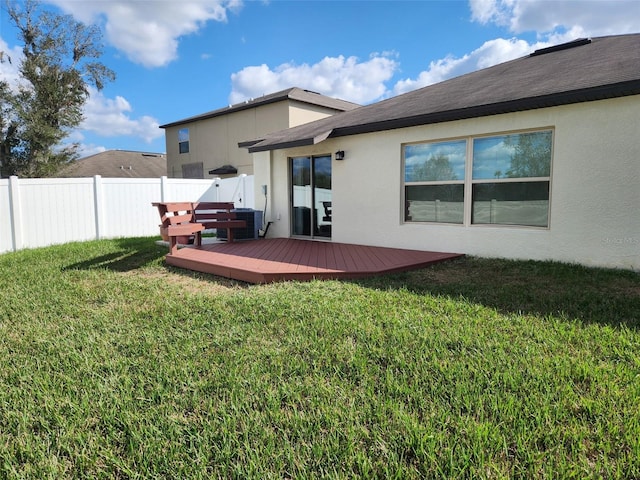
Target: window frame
[(183, 140), (316, 211), (183, 147), (435, 183), (469, 182)]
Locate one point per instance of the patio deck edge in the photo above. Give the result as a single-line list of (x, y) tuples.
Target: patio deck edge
[(256, 271)]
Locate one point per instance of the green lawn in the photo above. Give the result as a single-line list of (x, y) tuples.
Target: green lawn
[(113, 365)]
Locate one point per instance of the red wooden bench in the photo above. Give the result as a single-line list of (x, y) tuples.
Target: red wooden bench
[(184, 221), (217, 215)]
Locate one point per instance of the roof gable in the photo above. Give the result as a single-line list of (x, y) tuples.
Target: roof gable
[(580, 71)]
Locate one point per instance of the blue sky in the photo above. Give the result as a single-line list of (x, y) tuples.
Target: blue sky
[(178, 58)]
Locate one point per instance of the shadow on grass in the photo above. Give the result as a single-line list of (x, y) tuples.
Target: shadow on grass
[(134, 253), (590, 295), (137, 253)]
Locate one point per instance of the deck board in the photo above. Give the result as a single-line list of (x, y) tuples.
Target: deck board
[(280, 259)]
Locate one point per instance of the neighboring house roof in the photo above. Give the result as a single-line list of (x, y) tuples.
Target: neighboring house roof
[(297, 94), (579, 71), (118, 163)]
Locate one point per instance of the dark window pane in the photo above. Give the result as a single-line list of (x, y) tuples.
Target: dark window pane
[(434, 203), (301, 171), (322, 196), (322, 172), (301, 185), (183, 147), (513, 203)]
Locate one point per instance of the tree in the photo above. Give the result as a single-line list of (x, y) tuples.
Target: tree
[(437, 167), (59, 65), (8, 128), (531, 156)]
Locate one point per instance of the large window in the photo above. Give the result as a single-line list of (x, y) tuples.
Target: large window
[(434, 181), (511, 176), (183, 140), (507, 180)]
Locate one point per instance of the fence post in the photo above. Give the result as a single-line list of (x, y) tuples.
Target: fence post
[(99, 206), (217, 180), (15, 207), (163, 188), (244, 190)]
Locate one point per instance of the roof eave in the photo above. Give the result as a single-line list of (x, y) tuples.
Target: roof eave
[(238, 107), (250, 143), (219, 113), (299, 142), (303, 142)]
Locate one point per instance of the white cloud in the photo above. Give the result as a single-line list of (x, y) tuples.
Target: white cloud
[(87, 150), (110, 117), (485, 11), (9, 64), (340, 77), (148, 32), (581, 17)]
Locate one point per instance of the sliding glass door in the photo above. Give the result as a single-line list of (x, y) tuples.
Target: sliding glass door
[(311, 196)]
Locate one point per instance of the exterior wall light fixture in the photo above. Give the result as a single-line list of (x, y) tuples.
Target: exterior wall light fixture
[(340, 155)]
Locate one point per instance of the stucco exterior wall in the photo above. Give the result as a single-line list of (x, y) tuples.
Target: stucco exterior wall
[(595, 188), (300, 113)]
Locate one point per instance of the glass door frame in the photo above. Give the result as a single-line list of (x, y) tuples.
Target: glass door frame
[(313, 174)]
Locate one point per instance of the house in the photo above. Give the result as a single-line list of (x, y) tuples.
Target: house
[(535, 158), (118, 164), (206, 145)]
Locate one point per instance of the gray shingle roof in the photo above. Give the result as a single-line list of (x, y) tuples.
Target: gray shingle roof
[(294, 93), (118, 164), (580, 71)]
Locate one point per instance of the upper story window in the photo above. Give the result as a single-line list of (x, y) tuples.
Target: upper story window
[(183, 140), (498, 180)]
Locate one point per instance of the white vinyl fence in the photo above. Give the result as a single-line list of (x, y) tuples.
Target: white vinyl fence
[(46, 211)]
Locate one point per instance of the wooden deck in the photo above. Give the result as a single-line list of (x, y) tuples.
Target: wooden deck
[(279, 259)]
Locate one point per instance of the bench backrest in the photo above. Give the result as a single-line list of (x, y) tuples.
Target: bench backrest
[(211, 212), (174, 213)]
